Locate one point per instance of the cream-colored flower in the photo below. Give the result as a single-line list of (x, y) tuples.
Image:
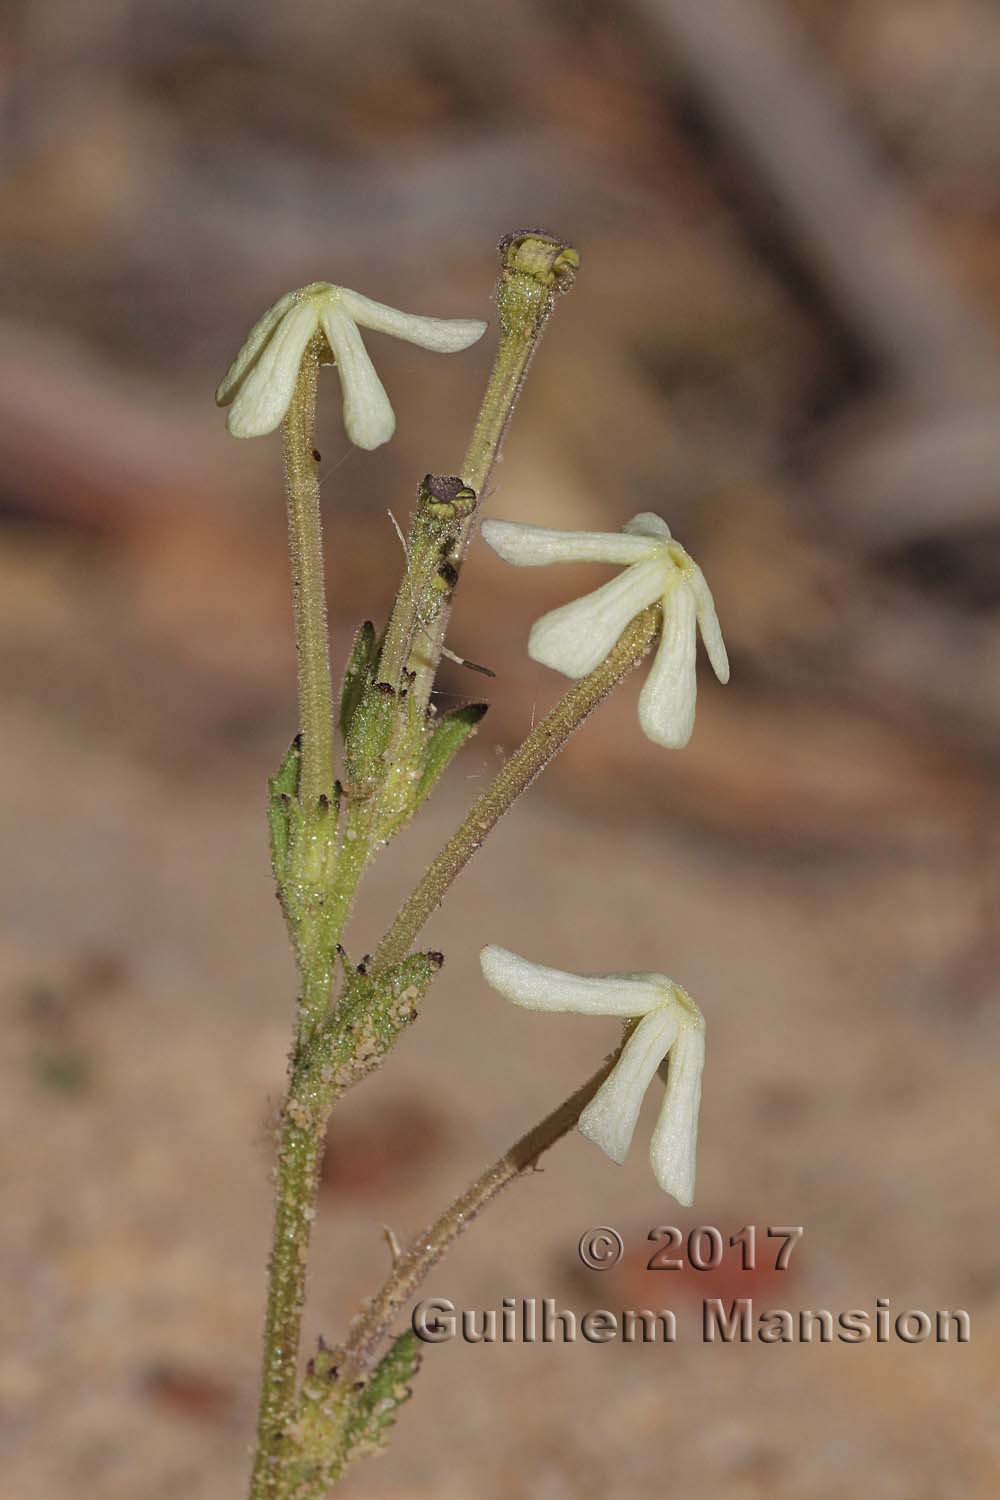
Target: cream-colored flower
[(670, 1023), (259, 383), (576, 638)]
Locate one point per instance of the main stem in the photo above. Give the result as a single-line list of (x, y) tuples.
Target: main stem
[(298, 1174), (530, 758), (428, 1248), (305, 540)]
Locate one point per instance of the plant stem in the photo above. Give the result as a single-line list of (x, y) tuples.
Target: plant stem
[(298, 1175), (533, 267), (305, 540), (428, 1248), (301, 1143), (547, 737)]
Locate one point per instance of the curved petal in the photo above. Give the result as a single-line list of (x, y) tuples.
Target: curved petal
[(576, 638), (648, 523), (252, 346), (534, 546), (675, 1139), (536, 987), (708, 621), (263, 399), (444, 335), (666, 703), (609, 1119), (369, 420)]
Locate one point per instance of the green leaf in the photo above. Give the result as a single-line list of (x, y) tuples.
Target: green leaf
[(445, 742), (368, 738), (282, 789), (359, 675), (386, 1391), (374, 1010), (335, 1424)]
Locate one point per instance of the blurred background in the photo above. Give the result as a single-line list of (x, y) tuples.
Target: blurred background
[(784, 338)]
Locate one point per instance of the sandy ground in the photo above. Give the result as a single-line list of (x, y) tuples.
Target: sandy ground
[(850, 1089)]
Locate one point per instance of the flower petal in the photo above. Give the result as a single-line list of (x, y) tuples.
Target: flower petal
[(648, 524), (445, 335), (369, 420), (708, 620), (533, 546), (252, 346), (577, 637), (609, 1119), (675, 1139), (666, 703), (536, 987), (262, 400)]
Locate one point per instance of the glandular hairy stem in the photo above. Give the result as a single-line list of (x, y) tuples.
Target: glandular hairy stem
[(534, 266), (298, 1173), (305, 540), (531, 757), (304, 873)]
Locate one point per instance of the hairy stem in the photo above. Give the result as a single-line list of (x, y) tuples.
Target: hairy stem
[(305, 539), (301, 1132), (427, 1248), (547, 737), (298, 1174)]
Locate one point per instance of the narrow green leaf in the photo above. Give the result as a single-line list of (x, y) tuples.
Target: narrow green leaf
[(445, 742), (374, 1010), (359, 674), (386, 1391), (282, 788), (335, 1424), (368, 738)]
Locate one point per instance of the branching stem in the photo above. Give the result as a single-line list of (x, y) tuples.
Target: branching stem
[(547, 737)]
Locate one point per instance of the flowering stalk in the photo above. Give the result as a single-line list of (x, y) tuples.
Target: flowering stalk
[(534, 266), (325, 831), (350, 1395), (310, 1101), (308, 779), (305, 540), (398, 761), (530, 758)]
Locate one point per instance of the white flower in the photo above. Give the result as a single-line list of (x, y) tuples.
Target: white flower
[(576, 638), (671, 1023), (261, 379)]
